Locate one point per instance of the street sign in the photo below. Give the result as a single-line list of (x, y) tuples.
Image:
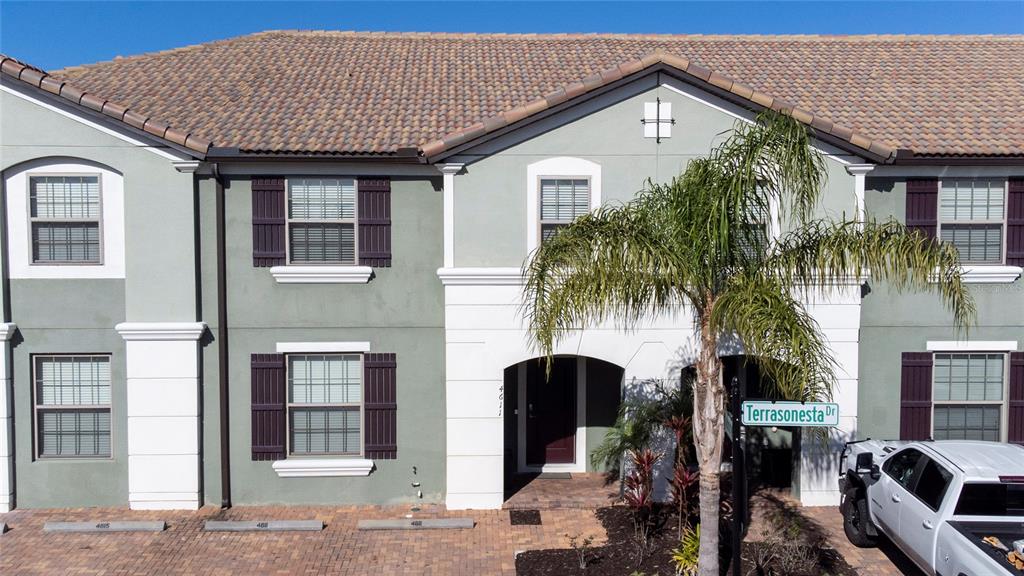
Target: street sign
[(768, 413)]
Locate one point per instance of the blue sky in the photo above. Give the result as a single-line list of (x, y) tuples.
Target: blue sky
[(56, 34)]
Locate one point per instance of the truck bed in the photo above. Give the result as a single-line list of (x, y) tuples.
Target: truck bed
[(1007, 532)]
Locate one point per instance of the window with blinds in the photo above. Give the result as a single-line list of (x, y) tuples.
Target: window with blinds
[(968, 396), (72, 406), (972, 214), (65, 215), (561, 201), (325, 396), (322, 221)]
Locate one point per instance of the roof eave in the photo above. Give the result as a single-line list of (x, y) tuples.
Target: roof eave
[(403, 155)]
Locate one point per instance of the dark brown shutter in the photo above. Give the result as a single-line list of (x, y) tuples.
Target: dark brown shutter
[(380, 406), (269, 428), (375, 222), (1015, 224), (268, 216), (923, 206), (1016, 420), (916, 396)]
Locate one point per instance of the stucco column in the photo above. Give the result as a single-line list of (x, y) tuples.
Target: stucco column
[(449, 171), (837, 311), (6, 421), (859, 172), (163, 414)]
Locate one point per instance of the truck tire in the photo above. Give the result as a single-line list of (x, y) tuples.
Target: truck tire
[(855, 519)]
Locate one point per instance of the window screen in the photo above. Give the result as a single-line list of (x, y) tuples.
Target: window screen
[(324, 398), (972, 214), (72, 405), (968, 396), (561, 201), (322, 220), (65, 219)]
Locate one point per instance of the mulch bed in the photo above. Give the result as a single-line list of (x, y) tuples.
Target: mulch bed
[(618, 556)]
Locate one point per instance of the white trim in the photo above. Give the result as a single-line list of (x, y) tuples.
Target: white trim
[(449, 171), (722, 108), (186, 166), (116, 134), (340, 347), (559, 166), (111, 227), (971, 346), (982, 274), (7, 330), (488, 276), (160, 330), (579, 463), (859, 171), (318, 468), (321, 274)]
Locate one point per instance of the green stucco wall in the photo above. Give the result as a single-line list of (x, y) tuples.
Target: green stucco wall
[(892, 323), (79, 315), (490, 196), (400, 310)]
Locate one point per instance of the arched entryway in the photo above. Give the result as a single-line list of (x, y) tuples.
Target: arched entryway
[(554, 418)]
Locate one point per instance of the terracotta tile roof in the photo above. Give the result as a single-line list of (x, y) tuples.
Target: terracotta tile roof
[(626, 69), (82, 97), (374, 93)]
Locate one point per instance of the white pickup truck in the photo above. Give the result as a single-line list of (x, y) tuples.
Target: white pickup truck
[(937, 502)]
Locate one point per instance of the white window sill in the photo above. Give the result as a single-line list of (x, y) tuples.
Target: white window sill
[(316, 468), (321, 274), (991, 274)]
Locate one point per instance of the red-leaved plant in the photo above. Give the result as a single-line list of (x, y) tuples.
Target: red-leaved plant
[(639, 496)]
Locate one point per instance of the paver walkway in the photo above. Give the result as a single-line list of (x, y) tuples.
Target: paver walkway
[(489, 548), (184, 548)]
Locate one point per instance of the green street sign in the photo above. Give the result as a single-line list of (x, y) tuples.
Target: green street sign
[(768, 413)]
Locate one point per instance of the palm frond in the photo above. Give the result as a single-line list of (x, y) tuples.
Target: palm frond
[(613, 264), (824, 253), (778, 331)]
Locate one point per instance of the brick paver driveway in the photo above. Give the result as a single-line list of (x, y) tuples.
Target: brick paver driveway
[(184, 548)]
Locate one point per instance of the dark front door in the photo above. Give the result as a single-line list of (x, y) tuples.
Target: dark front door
[(551, 413)]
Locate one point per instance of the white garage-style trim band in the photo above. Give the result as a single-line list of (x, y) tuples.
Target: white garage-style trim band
[(317, 468), (971, 345)]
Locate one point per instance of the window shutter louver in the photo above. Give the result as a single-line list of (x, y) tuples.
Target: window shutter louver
[(1015, 223), (916, 396), (375, 222), (1016, 419), (381, 406), (923, 206), (269, 428), (268, 222)]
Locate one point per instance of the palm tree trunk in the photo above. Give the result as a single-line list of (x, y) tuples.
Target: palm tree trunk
[(708, 432)]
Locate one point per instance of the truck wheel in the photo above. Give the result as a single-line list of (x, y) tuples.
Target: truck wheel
[(856, 519)]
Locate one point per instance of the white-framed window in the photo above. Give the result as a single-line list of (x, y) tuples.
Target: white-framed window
[(322, 221), (968, 396), (325, 404), (972, 217), (72, 405), (65, 219), (562, 200)]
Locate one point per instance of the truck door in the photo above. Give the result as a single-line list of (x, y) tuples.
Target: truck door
[(899, 472), (919, 517)]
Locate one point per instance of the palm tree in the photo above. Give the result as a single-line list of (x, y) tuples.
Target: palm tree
[(699, 245)]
